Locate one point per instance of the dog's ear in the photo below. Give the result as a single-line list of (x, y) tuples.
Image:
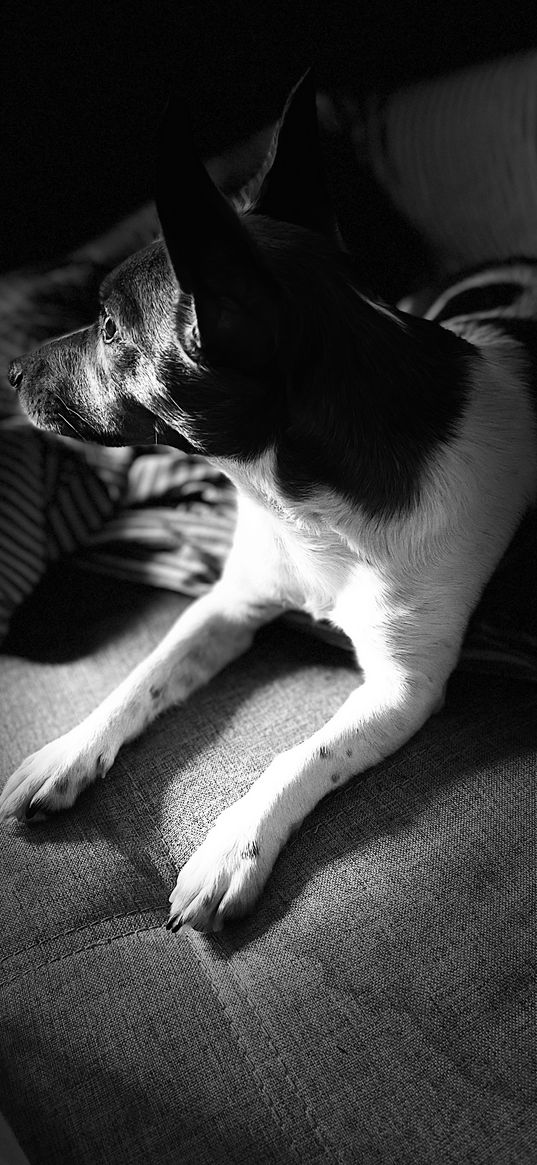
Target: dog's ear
[(214, 258), (293, 188), (278, 171)]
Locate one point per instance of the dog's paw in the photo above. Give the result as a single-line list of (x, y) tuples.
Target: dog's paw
[(52, 778), (225, 876)]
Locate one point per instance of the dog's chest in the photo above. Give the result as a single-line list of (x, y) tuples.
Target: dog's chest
[(316, 565)]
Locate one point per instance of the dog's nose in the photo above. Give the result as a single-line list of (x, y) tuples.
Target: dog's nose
[(15, 373)]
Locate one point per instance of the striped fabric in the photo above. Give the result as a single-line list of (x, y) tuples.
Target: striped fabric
[(493, 291), (174, 526), (53, 496)]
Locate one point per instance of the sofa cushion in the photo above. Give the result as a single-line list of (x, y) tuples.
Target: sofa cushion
[(377, 1006)]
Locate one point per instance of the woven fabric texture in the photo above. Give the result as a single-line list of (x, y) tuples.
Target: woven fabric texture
[(379, 1004)]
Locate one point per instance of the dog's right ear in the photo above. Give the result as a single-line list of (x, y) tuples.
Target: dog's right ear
[(294, 189), (279, 170), (215, 260)]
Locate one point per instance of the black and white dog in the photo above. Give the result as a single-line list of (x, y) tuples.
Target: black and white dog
[(382, 463)]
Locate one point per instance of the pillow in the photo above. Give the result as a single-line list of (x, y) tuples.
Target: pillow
[(458, 157)]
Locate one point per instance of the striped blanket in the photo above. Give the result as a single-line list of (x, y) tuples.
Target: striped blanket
[(166, 519)]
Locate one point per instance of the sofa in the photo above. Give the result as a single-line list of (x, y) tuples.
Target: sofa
[(379, 1004)]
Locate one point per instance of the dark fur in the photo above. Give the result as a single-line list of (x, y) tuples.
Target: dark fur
[(371, 438)]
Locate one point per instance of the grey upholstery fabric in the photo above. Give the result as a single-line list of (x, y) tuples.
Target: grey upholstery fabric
[(378, 1005)]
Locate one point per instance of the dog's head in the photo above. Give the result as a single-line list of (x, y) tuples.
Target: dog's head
[(94, 383), (244, 332), (196, 334)]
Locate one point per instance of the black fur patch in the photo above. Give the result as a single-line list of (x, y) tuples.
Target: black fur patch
[(371, 402), (354, 398), (219, 412)]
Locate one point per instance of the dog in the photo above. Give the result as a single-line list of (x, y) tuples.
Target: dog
[(382, 464)]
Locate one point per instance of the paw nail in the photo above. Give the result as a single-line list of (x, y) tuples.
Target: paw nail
[(32, 809)]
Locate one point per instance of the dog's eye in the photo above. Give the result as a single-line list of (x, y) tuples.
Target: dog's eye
[(109, 330)]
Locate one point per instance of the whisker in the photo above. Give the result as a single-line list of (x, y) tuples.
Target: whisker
[(68, 408)]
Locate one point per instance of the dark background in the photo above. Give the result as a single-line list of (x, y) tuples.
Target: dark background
[(83, 86)]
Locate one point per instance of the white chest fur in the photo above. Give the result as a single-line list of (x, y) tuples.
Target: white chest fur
[(299, 544)]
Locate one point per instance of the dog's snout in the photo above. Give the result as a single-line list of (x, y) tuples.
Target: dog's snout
[(15, 374)]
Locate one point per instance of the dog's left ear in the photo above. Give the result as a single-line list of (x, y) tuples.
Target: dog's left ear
[(237, 300)]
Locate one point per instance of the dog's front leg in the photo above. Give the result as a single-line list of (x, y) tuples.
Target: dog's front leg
[(226, 874), (211, 633)]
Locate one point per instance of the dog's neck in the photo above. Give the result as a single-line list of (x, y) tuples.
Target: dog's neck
[(359, 396), (375, 395)]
